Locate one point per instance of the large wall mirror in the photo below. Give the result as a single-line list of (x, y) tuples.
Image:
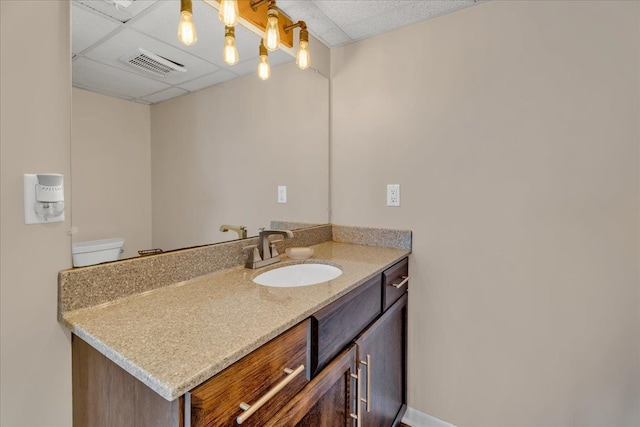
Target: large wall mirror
[(165, 160)]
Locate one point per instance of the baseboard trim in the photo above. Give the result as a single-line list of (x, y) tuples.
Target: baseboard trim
[(415, 418)]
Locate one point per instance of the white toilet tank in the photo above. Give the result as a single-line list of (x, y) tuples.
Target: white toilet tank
[(96, 251)]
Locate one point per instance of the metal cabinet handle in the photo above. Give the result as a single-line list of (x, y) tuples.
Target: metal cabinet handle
[(250, 409), (357, 416), (367, 363), (405, 279)]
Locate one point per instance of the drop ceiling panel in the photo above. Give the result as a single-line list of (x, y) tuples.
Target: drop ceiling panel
[(335, 37), (338, 22), (314, 17), (164, 95), (407, 13), (128, 41), (111, 80), (119, 13), (88, 28), (344, 13), (209, 80)]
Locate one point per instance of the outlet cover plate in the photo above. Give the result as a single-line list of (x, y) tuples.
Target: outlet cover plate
[(282, 194), (393, 195)]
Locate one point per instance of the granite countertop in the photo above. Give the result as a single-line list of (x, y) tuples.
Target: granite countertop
[(176, 337)]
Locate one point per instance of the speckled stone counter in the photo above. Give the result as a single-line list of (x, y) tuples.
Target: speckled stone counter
[(176, 337)]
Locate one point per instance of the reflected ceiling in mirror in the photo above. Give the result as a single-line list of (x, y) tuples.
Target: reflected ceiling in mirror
[(104, 36), (195, 150)]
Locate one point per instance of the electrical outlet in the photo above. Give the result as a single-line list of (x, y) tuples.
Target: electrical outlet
[(282, 194), (393, 195)]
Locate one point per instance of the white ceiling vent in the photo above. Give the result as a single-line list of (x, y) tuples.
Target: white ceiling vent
[(152, 63)]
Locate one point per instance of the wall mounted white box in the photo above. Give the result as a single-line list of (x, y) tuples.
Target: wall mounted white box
[(30, 183)]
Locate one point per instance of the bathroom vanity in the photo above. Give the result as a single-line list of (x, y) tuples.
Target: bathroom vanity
[(220, 350)]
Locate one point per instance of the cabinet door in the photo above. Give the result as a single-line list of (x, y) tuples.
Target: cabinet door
[(382, 353), (326, 400)]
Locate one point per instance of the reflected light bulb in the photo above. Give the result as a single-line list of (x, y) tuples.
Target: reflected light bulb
[(264, 69), (229, 13), (230, 51), (272, 34), (186, 28), (303, 57)]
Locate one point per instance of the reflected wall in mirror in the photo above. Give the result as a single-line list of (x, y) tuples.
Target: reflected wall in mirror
[(169, 173)]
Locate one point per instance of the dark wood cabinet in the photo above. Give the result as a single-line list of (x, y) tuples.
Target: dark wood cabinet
[(382, 351)]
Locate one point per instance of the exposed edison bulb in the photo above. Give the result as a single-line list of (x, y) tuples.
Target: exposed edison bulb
[(229, 12), (271, 33), (230, 51), (186, 27), (264, 69), (303, 57)]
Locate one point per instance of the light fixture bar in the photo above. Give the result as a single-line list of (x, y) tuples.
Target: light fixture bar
[(255, 4), (258, 18)]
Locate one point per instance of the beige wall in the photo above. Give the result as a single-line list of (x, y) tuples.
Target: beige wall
[(35, 114), (111, 163), (512, 128), (219, 154)]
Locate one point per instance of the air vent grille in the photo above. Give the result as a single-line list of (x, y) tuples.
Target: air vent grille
[(152, 63)]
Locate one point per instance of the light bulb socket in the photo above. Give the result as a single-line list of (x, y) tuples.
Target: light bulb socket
[(230, 31), (186, 6), (304, 34), (262, 50), (273, 10)]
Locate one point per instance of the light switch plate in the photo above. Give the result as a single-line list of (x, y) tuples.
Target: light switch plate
[(282, 194), (393, 195)]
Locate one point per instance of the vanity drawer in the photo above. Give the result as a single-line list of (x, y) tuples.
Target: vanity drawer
[(395, 282), (250, 380), (336, 325)]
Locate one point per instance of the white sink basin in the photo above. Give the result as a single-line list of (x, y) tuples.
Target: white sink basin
[(298, 275)]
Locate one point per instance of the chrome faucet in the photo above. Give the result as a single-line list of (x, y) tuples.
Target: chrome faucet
[(265, 252), (240, 229)]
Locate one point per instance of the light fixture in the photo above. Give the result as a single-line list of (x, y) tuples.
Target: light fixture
[(303, 57), (264, 69), (253, 12), (229, 13), (272, 33), (186, 27), (230, 51)]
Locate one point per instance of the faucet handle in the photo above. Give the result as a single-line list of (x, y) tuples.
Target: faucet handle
[(274, 250), (254, 255)]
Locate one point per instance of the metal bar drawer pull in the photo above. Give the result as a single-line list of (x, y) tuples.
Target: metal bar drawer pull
[(357, 416), (405, 279), (250, 409)]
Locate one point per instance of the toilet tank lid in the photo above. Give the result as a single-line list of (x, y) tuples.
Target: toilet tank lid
[(97, 245)]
